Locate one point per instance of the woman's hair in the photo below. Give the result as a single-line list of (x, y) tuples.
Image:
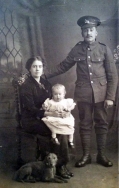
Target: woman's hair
[(31, 60), (57, 86)]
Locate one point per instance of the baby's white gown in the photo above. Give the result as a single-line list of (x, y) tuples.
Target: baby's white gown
[(59, 125)]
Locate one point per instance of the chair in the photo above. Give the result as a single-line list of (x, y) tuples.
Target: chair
[(17, 82)]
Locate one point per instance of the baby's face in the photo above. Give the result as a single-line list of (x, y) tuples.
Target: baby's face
[(58, 94)]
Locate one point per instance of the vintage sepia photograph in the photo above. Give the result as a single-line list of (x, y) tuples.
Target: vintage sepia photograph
[(59, 93)]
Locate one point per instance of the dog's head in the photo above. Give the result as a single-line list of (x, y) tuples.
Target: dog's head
[(51, 160)]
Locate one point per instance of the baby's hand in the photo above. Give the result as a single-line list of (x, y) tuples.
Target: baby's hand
[(65, 114), (45, 107)]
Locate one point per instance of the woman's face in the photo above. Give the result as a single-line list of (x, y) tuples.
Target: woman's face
[(36, 69)]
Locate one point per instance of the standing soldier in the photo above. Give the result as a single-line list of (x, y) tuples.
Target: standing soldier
[(95, 89)]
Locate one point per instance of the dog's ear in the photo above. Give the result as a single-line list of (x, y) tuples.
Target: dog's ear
[(47, 153)]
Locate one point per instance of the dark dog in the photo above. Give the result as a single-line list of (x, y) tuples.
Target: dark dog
[(44, 171)]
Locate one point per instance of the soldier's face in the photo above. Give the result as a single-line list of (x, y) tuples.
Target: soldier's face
[(89, 34)]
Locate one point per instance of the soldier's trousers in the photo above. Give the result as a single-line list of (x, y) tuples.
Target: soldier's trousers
[(92, 114)]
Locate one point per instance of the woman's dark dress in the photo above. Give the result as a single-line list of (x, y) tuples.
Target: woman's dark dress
[(33, 95)]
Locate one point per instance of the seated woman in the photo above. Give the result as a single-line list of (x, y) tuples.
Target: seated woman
[(34, 91)]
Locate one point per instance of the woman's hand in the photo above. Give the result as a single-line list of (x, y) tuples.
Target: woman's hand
[(63, 114), (53, 114)]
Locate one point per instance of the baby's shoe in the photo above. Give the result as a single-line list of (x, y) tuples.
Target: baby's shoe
[(71, 145), (55, 141)]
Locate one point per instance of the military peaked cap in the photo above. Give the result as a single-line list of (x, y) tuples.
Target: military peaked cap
[(88, 21)]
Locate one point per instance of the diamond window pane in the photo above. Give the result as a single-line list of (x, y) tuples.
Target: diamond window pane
[(10, 41), (5, 31), (10, 53), (16, 41), (2, 22), (13, 30), (8, 19)]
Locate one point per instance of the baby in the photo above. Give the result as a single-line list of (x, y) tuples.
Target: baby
[(60, 125)]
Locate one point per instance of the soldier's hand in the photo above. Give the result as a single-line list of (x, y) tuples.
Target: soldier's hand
[(108, 103)]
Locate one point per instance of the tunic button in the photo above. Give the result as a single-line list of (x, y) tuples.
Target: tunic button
[(91, 82), (89, 65), (89, 57), (90, 73), (88, 48)]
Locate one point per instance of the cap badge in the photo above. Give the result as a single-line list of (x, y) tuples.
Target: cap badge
[(88, 22)]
